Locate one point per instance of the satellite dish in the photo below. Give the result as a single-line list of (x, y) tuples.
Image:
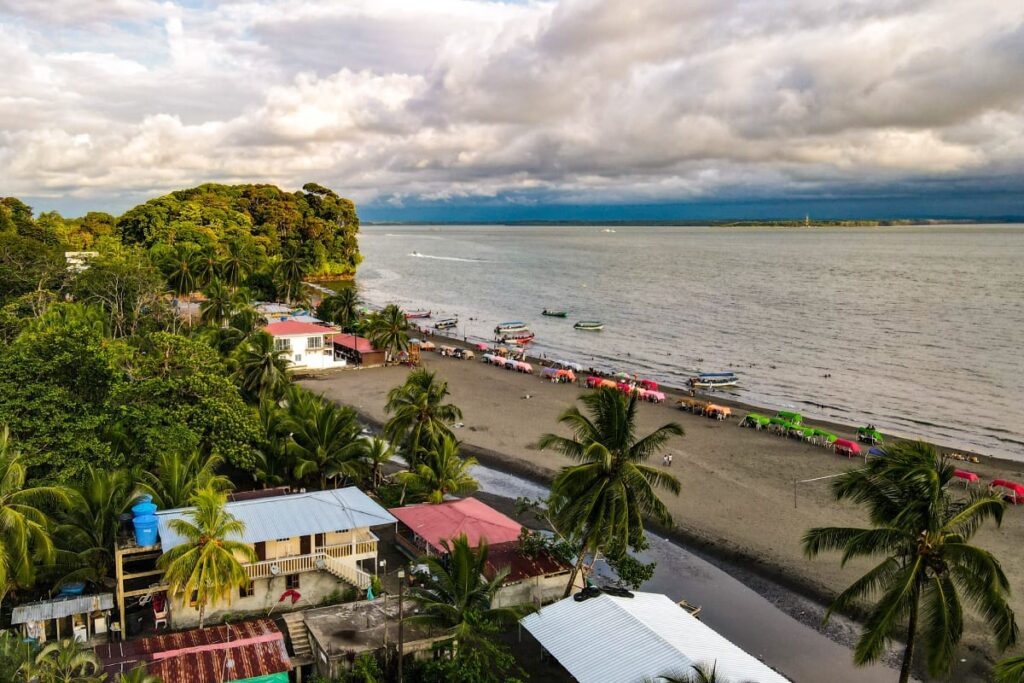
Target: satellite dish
[(320, 563), (274, 569)]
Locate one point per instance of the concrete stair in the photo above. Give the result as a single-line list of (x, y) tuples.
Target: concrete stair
[(298, 636)]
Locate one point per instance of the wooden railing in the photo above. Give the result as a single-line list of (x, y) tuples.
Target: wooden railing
[(349, 573), (285, 565), (295, 564)]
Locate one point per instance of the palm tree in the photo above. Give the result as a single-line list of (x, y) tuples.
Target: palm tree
[(262, 369), (291, 268), (389, 330), (236, 264), (67, 661), (207, 264), (379, 452), (442, 473), (24, 526), (604, 498), (272, 463), (456, 595), (138, 674), (88, 526), (17, 658), (922, 533), (181, 268), (326, 443), (700, 673), (177, 477), (1010, 670), (420, 418), (207, 564), (341, 308), (219, 304)]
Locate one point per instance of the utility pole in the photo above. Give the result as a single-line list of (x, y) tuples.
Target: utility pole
[(401, 633)]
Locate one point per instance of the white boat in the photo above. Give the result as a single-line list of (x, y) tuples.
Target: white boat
[(589, 325), (708, 380), (446, 323), (513, 327)]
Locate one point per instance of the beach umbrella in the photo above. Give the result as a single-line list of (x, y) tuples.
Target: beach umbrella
[(481, 347), (621, 375)]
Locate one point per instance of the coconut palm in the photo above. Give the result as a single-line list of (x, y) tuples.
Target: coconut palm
[(17, 658), (443, 472), (699, 673), (262, 369), (1010, 670), (272, 462), (181, 268), (326, 444), (138, 674), (177, 477), (456, 596), (219, 304), (24, 525), (68, 661), (379, 452), (604, 499), (389, 330), (341, 308), (928, 566), (208, 562), (87, 528), (207, 264), (291, 269), (236, 265), (419, 416)]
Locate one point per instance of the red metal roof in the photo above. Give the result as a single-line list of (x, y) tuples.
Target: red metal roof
[(350, 341), (289, 328), (451, 519), (520, 566), (198, 656)]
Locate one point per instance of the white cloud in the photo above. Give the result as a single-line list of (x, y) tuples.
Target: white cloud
[(624, 100)]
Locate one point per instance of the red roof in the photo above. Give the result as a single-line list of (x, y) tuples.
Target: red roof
[(198, 656), (290, 328), (434, 523), (350, 341), (521, 566)]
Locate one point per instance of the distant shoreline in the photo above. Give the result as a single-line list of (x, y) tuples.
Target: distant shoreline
[(796, 223)]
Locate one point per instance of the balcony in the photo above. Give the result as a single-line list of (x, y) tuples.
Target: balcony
[(322, 559)]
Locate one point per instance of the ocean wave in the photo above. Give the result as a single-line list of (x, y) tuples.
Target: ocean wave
[(416, 254)]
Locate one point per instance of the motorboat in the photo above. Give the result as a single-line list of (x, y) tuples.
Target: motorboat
[(589, 325), (512, 327), (446, 323), (709, 380), (555, 314), (417, 314)]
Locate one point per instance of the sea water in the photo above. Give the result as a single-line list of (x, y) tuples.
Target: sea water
[(918, 330)]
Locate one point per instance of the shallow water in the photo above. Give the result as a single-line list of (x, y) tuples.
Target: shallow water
[(920, 328)]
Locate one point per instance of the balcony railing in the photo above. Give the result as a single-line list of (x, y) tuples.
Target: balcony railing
[(295, 564)]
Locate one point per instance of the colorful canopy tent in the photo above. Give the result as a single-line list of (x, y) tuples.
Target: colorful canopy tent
[(1014, 492), (869, 434), (828, 436), (649, 384), (967, 477), (593, 381), (549, 373), (877, 452), (717, 411), (789, 416), (755, 420), (847, 447), (567, 375)]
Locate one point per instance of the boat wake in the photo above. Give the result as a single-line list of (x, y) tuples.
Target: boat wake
[(417, 254)]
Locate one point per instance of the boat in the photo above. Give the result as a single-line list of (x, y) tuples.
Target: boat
[(555, 314), (417, 314), (707, 380), (518, 337), (511, 327), (446, 323), (589, 325)]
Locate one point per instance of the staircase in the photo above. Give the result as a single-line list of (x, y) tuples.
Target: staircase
[(299, 637), (347, 572)]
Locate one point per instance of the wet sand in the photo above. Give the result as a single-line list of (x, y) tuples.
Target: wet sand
[(737, 499)]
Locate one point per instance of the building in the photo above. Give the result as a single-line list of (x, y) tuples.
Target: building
[(423, 529), (252, 651), (637, 639), (79, 616), (307, 545), (306, 345), (357, 350), (78, 261)]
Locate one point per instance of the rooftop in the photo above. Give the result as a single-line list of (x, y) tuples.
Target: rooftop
[(351, 341), (292, 328), (521, 566), (359, 626), (61, 607), (637, 639), (297, 514), (447, 521)]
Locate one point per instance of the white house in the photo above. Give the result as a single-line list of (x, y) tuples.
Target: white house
[(306, 345)]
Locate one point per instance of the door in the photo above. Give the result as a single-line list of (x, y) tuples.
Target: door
[(305, 545), (261, 550)]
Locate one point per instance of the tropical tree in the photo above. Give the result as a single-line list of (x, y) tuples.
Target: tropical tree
[(236, 265), (208, 562), (389, 330), (928, 565), (87, 527), (291, 268), (17, 658), (207, 264), (456, 594), (177, 477), (379, 452), (138, 674), (341, 308), (1010, 670), (219, 304), (262, 369), (181, 266), (68, 661), (603, 499), (419, 417), (326, 444), (443, 472), (699, 673), (272, 462), (25, 539)]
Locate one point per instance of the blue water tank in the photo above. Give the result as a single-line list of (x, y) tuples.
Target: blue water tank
[(145, 530), (143, 509), (145, 498)]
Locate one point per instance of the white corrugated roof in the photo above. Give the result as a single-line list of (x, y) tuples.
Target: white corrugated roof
[(629, 640), (298, 514), (62, 607)]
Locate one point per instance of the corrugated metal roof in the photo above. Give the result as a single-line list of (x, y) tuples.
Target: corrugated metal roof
[(61, 607), (519, 565), (289, 328), (448, 520), (629, 640), (299, 514)]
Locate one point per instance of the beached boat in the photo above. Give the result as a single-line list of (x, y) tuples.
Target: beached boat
[(518, 337), (446, 323), (707, 380), (417, 314), (555, 314), (589, 325), (512, 327)]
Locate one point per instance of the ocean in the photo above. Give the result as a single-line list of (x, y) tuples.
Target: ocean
[(918, 330)]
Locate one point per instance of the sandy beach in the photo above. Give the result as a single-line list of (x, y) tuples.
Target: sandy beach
[(737, 499)]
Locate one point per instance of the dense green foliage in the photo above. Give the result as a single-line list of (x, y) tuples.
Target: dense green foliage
[(420, 418)]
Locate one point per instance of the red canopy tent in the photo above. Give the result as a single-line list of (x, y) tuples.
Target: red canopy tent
[(847, 448), (1014, 491), (968, 477)]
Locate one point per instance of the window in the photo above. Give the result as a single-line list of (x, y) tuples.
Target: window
[(314, 342), (292, 582), (282, 344), (247, 591), (298, 357)]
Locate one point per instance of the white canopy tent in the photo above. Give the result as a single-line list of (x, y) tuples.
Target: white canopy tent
[(629, 640)]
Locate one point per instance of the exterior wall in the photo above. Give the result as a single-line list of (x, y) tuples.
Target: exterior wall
[(314, 587), (300, 356), (537, 590)]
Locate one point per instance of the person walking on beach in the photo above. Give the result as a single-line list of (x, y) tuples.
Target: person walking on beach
[(668, 457), (664, 460)]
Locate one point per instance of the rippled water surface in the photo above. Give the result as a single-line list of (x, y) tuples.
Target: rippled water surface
[(920, 328)]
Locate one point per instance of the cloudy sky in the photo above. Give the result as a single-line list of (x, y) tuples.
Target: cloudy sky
[(469, 109)]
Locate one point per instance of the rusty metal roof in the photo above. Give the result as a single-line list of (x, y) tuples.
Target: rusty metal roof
[(521, 566)]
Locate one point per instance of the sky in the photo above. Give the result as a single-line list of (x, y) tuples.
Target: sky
[(474, 110)]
